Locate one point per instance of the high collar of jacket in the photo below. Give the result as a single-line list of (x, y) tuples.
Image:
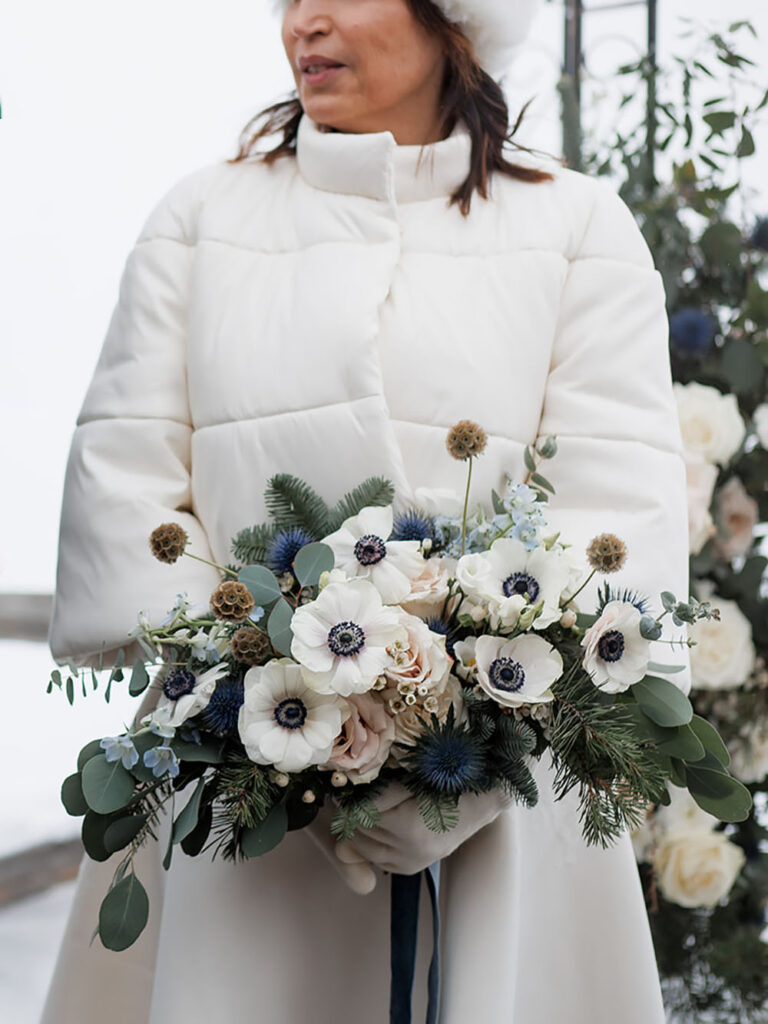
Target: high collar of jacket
[(372, 164)]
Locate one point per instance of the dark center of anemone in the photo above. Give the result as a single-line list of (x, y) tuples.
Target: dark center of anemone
[(507, 674), (610, 646), (179, 683), (346, 639), (291, 713), (521, 583), (370, 549)]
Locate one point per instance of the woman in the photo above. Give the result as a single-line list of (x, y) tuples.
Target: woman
[(330, 312)]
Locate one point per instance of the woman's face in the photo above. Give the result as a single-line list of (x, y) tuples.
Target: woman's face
[(388, 68)]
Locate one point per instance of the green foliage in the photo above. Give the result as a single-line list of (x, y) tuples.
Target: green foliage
[(356, 811), (376, 490), (292, 502), (244, 796), (124, 913), (440, 812), (250, 545)]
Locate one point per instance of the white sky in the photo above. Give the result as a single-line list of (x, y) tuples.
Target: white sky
[(104, 106)]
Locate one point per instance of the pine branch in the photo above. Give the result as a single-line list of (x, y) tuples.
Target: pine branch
[(292, 502), (440, 813), (250, 545), (244, 796), (376, 490)]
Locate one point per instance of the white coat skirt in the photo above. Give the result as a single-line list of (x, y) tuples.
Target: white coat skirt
[(332, 317)]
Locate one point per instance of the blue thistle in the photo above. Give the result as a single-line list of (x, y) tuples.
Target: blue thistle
[(608, 593), (448, 759), (759, 237), (692, 331), (439, 625), (221, 713), (284, 547), (413, 525)]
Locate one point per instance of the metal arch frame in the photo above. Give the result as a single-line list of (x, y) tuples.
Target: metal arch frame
[(573, 60)]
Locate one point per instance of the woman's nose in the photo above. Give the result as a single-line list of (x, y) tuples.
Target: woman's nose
[(309, 17)]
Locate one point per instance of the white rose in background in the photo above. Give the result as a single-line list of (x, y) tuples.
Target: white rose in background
[(760, 421), (616, 653), (682, 813), (736, 515), (696, 867), (700, 479), (724, 654), (710, 422), (749, 753)]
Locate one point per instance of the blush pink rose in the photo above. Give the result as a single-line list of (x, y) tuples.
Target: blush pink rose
[(363, 744)]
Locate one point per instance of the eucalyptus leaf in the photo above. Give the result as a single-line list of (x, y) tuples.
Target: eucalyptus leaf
[(91, 749), (530, 462), (662, 701), (139, 678), (92, 833), (710, 737), (208, 753), (107, 785), (123, 914), (194, 842), (311, 562), (718, 793), (685, 745), (279, 627), (72, 795), (187, 820), (255, 842), (123, 831), (262, 584)]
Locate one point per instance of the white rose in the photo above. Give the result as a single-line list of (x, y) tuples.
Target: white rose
[(724, 654), (760, 418), (749, 754), (700, 477), (696, 867), (710, 422), (473, 573)]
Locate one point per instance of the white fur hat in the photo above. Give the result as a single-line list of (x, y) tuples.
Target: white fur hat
[(496, 28)]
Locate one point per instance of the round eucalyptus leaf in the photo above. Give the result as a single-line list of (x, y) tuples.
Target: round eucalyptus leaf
[(139, 678), (72, 795), (711, 740), (718, 793), (662, 701), (123, 914), (187, 819), (686, 745), (311, 562), (123, 831), (279, 627), (92, 834), (107, 785), (90, 750), (262, 584)]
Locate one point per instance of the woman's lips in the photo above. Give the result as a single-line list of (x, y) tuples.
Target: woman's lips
[(326, 74)]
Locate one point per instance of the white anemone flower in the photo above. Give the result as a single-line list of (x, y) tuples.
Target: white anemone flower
[(282, 722), (361, 548), (617, 653), (517, 671), (187, 693), (341, 638), (514, 573)]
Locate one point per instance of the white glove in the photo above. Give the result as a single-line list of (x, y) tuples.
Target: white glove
[(402, 843), (355, 870)]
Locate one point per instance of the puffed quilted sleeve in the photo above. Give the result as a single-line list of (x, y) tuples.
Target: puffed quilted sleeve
[(128, 468), (609, 400)]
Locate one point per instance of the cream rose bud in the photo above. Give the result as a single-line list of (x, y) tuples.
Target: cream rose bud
[(430, 588), (724, 654), (696, 867), (710, 422), (363, 745), (616, 653), (517, 671)]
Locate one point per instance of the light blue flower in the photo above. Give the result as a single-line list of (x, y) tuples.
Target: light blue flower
[(120, 748), (257, 614), (527, 532), (162, 759), (521, 499)]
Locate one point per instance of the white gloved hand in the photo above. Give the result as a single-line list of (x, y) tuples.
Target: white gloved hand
[(402, 843), (355, 870)]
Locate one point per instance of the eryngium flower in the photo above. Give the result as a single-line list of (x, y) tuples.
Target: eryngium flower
[(232, 601), (465, 440), (413, 525), (448, 759), (250, 646), (221, 714), (284, 547), (606, 553), (168, 541)]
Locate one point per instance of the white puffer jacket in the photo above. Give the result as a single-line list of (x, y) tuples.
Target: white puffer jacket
[(331, 317)]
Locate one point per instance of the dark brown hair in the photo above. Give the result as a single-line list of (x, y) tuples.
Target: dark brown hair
[(468, 93)]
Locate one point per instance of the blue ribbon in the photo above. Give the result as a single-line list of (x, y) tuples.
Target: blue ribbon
[(404, 929)]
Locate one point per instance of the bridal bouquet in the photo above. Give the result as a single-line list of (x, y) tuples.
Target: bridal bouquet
[(348, 647)]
